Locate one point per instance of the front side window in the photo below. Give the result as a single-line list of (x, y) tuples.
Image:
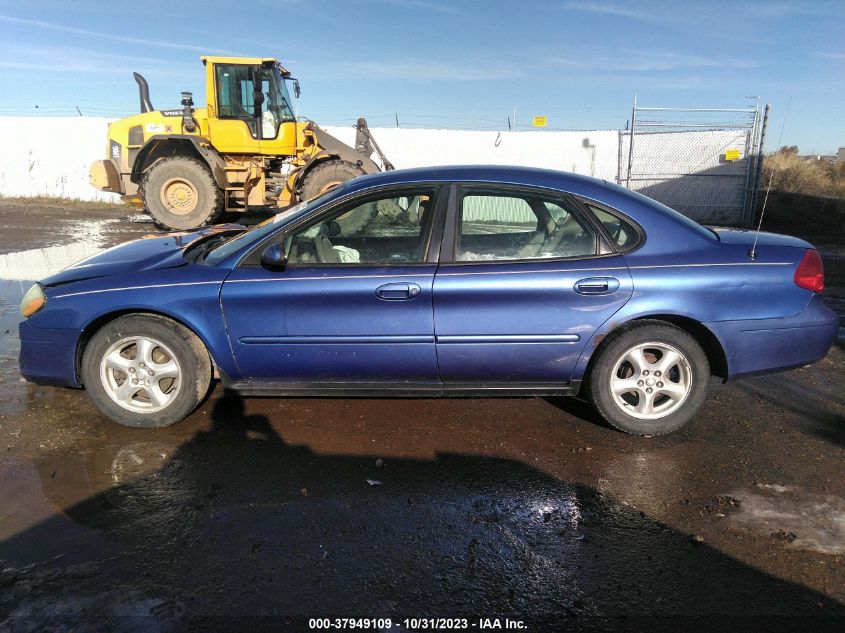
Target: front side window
[(498, 225), (390, 229)]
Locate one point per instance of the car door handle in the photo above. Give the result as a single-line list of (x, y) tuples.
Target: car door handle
[(397, 292), (597, 286)]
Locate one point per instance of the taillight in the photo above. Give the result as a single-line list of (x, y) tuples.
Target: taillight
[(810, 272)]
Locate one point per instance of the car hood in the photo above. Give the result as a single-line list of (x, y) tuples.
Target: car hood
[(160, 250), (746, 236)]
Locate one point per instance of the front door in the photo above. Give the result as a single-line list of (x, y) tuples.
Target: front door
[(235, 125), (353, 305), (528, 283)]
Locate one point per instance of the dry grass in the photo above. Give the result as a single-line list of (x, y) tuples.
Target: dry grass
[(796, 175), (56, 201)]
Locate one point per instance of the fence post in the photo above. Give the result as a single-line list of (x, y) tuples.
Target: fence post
[(751, 157), (755, 193), (631, 142)]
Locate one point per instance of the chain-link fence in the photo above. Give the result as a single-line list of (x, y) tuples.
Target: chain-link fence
[(701, 162)]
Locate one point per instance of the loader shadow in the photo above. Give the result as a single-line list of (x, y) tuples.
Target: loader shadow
[(238, 529)]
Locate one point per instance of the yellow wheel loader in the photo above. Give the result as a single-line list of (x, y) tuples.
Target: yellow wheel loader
[(245, 149)]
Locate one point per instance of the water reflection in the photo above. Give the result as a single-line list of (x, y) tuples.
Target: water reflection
[(12, 390)]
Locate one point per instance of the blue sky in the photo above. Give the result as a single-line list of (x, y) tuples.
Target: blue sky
[(439, 63)]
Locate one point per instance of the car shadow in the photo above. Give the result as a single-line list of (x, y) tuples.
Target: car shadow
[(815, 413), (238, 529), (578, 408)]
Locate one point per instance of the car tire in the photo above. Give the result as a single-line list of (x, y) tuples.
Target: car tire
[(169, 364), (180, 194), (328, 175), (649, 378)]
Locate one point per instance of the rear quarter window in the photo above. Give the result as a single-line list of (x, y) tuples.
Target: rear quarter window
[(624, 235)]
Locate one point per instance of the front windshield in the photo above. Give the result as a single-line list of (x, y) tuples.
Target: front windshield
[(278, 98), (255, 234)]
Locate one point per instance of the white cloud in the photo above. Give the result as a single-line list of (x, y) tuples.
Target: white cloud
[(790, 9), (53, 26), (427, 69), (425, 5), (644, 61), (622, 11)]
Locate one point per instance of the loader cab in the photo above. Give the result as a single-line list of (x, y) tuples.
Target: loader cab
[(250, 109)]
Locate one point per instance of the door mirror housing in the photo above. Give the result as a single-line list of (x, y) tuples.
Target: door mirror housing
[(273, 257)]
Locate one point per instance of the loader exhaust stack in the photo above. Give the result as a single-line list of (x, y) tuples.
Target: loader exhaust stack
[(144, 93)]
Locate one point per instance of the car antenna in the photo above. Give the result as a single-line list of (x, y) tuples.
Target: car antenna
[(753, 252)]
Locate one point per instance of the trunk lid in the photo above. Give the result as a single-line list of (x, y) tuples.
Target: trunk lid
[(746, 237)]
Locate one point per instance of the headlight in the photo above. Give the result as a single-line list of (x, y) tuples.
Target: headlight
[(33, 300)]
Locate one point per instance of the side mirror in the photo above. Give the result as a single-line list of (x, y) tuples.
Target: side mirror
[(273, 257), (296, 90)]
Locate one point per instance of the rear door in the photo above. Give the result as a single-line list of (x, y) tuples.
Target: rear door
[(525, 280), (353, 305)]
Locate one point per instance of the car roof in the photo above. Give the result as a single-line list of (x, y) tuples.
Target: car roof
[(647, 212), (534, 176)]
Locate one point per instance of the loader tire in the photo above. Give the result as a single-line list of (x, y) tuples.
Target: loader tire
[(330, 174), (180, 193)]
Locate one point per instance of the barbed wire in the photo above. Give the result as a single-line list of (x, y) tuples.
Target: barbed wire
[(399, 119)]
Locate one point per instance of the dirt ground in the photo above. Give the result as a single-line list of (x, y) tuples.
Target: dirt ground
[(262, 513)]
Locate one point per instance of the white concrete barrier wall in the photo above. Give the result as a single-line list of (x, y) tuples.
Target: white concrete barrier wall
[(50, 156), (41, 156)]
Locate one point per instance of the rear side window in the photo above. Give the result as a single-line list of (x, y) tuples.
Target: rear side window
[(497, 225), (622, 232)]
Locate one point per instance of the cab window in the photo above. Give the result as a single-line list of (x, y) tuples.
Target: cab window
[(236, 92)]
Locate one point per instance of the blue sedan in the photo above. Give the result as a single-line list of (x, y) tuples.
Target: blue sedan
[(434, 282)]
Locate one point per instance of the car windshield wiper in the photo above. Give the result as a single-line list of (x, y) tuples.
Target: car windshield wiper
[(196, 252)]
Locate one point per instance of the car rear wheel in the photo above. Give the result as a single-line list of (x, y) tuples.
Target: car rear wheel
[(650, 378), (145, 371)]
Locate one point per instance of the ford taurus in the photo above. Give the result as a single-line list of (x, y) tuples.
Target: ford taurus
[(434, 282)]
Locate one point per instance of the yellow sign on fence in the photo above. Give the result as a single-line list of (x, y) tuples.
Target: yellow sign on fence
[(539, 121), (732, 154)]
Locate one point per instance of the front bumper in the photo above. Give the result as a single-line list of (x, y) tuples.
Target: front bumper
[(766, 345), (48, 356)]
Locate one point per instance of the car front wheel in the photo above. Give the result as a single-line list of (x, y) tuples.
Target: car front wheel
[(650, 378), (145, 371)]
